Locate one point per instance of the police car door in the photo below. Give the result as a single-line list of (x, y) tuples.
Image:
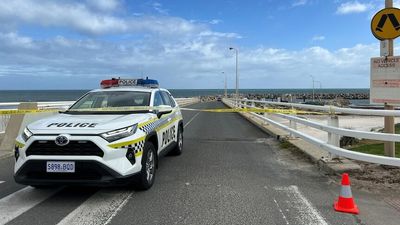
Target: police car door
[(169, 128)]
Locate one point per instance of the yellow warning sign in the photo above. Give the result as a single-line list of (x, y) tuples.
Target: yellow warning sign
[(385, 24)]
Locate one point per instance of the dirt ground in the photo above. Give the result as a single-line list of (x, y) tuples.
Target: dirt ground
[(373, 178), (377, 178)]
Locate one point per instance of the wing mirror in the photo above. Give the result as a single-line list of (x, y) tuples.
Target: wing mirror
[(163, 109)]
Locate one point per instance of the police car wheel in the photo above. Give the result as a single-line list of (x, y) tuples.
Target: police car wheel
[(145, 179), (177, 150)]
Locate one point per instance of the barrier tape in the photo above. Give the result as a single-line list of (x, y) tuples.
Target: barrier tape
[(114, 109)]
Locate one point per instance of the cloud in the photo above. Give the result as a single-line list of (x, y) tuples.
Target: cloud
[(215, 21), (104, 5), (178, 63), (352, 7), (219, 34), (159, 8), (299, 3), (179, 52), (318, 38), (79, 17)]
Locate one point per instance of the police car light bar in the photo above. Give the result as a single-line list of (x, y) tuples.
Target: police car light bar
[(114, 82)]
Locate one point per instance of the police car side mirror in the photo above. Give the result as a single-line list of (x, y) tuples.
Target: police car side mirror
[(163, 109)]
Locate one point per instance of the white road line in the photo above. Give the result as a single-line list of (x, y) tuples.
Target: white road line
[(280, 210), (191, 120), (306, 213), (1, 181), (21, 201), (98, 209)]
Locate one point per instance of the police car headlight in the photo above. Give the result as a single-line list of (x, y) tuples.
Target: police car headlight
[(26, 134), (119, 133)]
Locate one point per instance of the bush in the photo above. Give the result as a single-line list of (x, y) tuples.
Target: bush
[(347, 141)]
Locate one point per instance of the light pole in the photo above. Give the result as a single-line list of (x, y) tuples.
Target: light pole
[(320, 89), (237, 74), (313, 91), (225, 93)]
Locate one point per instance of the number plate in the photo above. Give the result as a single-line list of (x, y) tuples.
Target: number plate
[(60, 167)]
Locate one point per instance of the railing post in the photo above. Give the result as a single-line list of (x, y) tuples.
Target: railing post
[(333, 139), (293, 125), (264, 107)]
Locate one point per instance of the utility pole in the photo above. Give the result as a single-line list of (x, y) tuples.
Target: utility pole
[(389, 120)]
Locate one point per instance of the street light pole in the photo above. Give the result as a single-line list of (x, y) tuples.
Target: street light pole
[(237, 73), (313, 91), (225, 93)]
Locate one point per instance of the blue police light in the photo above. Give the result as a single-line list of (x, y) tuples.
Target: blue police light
[(148, 83)]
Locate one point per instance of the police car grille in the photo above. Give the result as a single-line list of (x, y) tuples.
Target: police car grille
[(72, 148)]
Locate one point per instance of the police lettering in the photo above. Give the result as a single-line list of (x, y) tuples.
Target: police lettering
[(91, 125)]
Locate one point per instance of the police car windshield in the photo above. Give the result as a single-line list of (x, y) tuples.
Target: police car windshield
[(111, 99)]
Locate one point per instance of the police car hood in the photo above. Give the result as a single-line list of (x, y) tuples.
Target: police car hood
[(85, 124)]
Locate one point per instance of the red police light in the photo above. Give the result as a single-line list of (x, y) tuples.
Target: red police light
[(109, 83)]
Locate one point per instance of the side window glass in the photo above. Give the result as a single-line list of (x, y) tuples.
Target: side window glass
[(166, 99), (158, 99), (171, 100)]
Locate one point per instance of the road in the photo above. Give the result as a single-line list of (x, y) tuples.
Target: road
[(230, 173)]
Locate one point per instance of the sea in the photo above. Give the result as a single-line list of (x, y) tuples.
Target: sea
[(71, 95)]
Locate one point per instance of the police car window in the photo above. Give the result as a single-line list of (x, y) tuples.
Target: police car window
[(166, 98), (173, 104), (158, 99), (112, 99)]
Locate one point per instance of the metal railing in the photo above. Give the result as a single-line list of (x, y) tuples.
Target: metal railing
[(332, 146)]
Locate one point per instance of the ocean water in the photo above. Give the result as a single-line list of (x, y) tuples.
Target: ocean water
[(71, 95)]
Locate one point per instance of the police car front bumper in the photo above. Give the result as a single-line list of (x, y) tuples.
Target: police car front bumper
[(33, 172), (112, 167)]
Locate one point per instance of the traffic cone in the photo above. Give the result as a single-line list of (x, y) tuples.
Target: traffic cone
[(346, 202)]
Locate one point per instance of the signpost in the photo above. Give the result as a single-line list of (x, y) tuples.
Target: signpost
[(385, 72)]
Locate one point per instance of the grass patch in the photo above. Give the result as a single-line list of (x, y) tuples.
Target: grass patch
[(376, 147), (285, 144)]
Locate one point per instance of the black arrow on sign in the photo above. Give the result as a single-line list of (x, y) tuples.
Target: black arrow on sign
[(392, 19)]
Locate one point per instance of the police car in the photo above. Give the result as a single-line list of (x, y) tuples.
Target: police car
[(108, 136)]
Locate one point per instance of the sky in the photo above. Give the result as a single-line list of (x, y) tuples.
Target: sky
[(66, 44)]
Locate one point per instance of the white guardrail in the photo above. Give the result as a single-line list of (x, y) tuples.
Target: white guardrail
[(332, 146), (64, 105)]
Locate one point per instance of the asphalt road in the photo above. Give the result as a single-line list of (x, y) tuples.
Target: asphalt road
[(230, 173)]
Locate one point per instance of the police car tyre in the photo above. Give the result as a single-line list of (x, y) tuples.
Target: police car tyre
[(177, 150), (145, 179)]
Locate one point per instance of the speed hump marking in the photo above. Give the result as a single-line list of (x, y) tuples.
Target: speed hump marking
[(385, 24)]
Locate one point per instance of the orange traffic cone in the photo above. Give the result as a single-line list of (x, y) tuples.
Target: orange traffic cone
[(346, 202)]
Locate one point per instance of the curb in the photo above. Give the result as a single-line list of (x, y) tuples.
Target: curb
[(315, 154)]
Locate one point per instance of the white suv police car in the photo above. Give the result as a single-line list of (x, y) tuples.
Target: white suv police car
[(109, 136)]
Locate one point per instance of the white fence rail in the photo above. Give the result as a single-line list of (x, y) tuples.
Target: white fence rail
[(330, 146)]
